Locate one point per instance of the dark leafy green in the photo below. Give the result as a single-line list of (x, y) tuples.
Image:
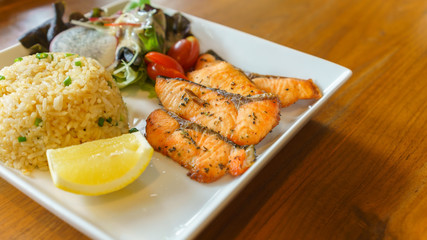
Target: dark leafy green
[(177, 27), (153, 38), (131, 67), (38, 39), (165, 31)]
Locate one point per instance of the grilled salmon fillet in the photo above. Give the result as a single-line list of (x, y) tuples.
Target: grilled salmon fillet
[(289, 90), (212, 71), (224, 76), (243, 120), (206, 154)]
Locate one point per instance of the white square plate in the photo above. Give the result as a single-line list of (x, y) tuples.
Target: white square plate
[(164, 203)]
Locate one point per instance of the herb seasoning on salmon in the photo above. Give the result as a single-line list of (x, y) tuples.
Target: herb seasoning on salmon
[(212, 71), (206, 154), (243, 120)]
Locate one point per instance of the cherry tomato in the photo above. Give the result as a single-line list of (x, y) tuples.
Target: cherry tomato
[(185, 51), (164, 60), (156, 69)]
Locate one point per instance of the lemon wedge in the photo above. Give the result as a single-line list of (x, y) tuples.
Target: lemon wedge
[(101, 166)]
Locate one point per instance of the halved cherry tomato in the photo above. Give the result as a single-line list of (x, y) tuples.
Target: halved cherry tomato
[(185, 52), (156, 69), (164, 60)]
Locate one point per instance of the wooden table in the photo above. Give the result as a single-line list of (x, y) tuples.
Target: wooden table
[(357, 170)]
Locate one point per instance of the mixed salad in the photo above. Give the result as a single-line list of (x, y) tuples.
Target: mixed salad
[(136, 43)]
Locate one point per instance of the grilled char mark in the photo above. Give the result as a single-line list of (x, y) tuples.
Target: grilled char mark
[(237, 99), (205, 153), (185, 124), (218, 114), (243, 120)]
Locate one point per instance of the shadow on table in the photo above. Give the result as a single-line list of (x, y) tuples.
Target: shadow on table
[(317, 193)]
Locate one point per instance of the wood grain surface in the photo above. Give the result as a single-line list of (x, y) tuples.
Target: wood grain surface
[(357, 170)]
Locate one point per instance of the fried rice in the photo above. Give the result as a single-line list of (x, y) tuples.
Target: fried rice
[(52, 100)]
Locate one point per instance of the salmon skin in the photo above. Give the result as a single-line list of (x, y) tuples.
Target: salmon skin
[(211, 70), (206, 154), (289, 90), (243, 120)]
